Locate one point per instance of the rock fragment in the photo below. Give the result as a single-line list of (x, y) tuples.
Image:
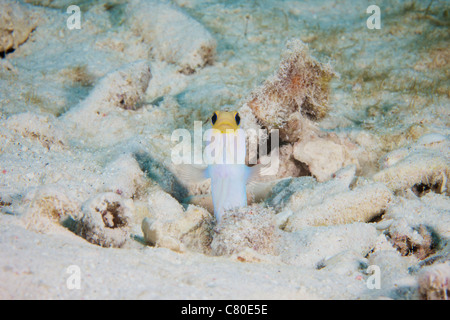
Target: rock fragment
[(174, 36), (100, 116), (50, 205), (359, 205), (333, 202), (124, 177), (299, 88), (190, 231), (323, 155), (16, 24), (423, 166), (434, 282), (106, 220)]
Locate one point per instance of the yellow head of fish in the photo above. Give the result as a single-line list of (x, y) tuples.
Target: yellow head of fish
[(225, 120)]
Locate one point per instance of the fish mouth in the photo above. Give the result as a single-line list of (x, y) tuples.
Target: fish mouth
[(224, 126)]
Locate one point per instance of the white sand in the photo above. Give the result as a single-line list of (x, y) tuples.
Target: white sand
[(77, 119)]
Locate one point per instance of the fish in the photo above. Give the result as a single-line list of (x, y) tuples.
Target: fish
[(225, 157)]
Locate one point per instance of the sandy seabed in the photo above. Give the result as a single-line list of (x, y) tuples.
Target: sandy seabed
[(91, 206)]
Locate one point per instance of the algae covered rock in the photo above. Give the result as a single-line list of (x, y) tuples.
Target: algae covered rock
[(420, 241), (292, 100), (434, 282), (298, 89)]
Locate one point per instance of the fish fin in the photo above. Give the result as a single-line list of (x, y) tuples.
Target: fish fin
[(269, 168), (191, 174), (255, 187), (255, 174), (259, 191)]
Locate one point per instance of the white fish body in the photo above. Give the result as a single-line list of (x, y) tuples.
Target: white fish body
[(228, 187), (226, 164), (227, 170)]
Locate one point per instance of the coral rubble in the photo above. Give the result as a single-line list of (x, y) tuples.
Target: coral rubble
[(106, 220), (191, 230), (425, 164), (87, 179), (434, 282), (191, 45), (299, 87), (16, 24), (292, 101)]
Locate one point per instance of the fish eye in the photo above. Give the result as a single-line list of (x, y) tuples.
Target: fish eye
[(237, 118), (214, 118)]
